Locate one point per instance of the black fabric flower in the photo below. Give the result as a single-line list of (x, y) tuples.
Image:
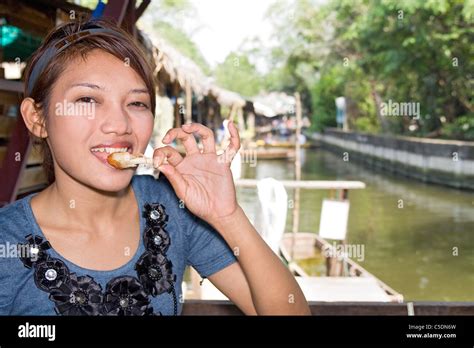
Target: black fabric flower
[(33, 251), (155, 273), (155, 214), (50, 273), (125, 296), (156, 239), (79, 296)]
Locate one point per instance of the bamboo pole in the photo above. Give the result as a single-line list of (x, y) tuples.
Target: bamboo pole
[(296, 208)]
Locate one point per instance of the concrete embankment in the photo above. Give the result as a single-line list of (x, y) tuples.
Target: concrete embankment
[(444, 162)]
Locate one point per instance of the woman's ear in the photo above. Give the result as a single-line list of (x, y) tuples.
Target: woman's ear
[(33, 119)]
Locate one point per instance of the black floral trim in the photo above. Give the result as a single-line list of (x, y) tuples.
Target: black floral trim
[(80, 296), (156, 239), (50, 274), (35, 248), (125, 295), (155, 273), (155, 214)]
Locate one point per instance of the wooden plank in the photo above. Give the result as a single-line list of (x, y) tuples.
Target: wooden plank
[(11, 86), (30, 19), (308, 184), (3, 152), (6, 126), (8, 97), (326, 289), (200, 307), (34, 157), (32, 177), (346, 289)]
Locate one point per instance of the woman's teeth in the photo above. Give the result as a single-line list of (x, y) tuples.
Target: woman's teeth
[(110, 149)]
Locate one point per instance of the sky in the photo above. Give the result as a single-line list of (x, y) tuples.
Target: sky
[(226, 23)]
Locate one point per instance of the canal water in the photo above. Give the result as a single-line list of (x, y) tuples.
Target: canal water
[(418, 238)]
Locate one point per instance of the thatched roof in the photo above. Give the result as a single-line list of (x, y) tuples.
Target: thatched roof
[(273, 104), (184, 70)]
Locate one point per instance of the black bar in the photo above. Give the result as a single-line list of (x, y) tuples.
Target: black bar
[(240, 329)]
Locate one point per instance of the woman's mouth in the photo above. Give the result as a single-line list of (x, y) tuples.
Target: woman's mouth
[(101, 152)]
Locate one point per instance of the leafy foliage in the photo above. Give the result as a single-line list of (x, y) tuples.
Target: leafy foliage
[(238, 74), (406, 51)]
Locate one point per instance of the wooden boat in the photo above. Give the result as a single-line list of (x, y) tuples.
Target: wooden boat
[(281, 144), (304, 246), (286, 145), (268, 154)]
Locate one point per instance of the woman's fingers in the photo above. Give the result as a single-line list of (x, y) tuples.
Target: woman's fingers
[(207, 136), (234, 145), (166, 152), (176, 179), (186, 138)]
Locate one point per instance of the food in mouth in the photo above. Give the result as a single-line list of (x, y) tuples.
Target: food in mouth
[(102, 151), (123, 160)]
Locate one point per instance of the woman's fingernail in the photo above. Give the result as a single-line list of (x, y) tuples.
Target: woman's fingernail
[(156, 162)]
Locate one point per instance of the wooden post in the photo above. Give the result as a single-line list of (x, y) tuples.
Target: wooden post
[(240, 120), (296, 208), (189, 102), (232, 112), (177, 113)]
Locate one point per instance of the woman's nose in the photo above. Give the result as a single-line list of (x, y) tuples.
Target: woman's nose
[(116, 120)]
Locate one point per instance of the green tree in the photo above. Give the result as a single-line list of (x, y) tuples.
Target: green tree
[(164, 18), (372, 51), (238, 74)]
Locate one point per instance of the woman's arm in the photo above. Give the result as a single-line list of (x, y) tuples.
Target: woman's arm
[(259, 282), (272, 288)]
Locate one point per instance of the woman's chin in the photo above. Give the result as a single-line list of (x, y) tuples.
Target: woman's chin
[(112, 183)]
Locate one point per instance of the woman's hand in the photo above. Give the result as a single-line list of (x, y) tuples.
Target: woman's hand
[(202, 180)]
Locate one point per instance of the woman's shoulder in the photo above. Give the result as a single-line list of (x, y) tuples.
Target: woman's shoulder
[(14, 220), (15, 226)]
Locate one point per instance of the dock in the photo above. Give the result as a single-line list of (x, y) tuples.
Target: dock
[(323, 289)]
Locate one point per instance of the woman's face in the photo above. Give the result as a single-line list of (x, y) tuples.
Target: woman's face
[(98, 105)]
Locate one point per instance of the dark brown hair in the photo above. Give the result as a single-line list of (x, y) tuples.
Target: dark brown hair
[(121, 46)]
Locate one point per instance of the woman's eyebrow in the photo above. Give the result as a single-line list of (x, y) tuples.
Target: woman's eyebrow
[(85, 84), (138, 90), (94, 86)]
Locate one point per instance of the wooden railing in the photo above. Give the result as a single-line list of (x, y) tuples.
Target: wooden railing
[(201, 307), (308, 184)]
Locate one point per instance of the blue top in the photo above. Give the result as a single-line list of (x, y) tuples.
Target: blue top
[(36, 280)]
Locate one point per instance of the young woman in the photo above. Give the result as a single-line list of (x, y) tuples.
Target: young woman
[(101, 241)]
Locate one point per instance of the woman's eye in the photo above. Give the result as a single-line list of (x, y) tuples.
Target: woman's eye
[(139, 105), (86, 100)]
